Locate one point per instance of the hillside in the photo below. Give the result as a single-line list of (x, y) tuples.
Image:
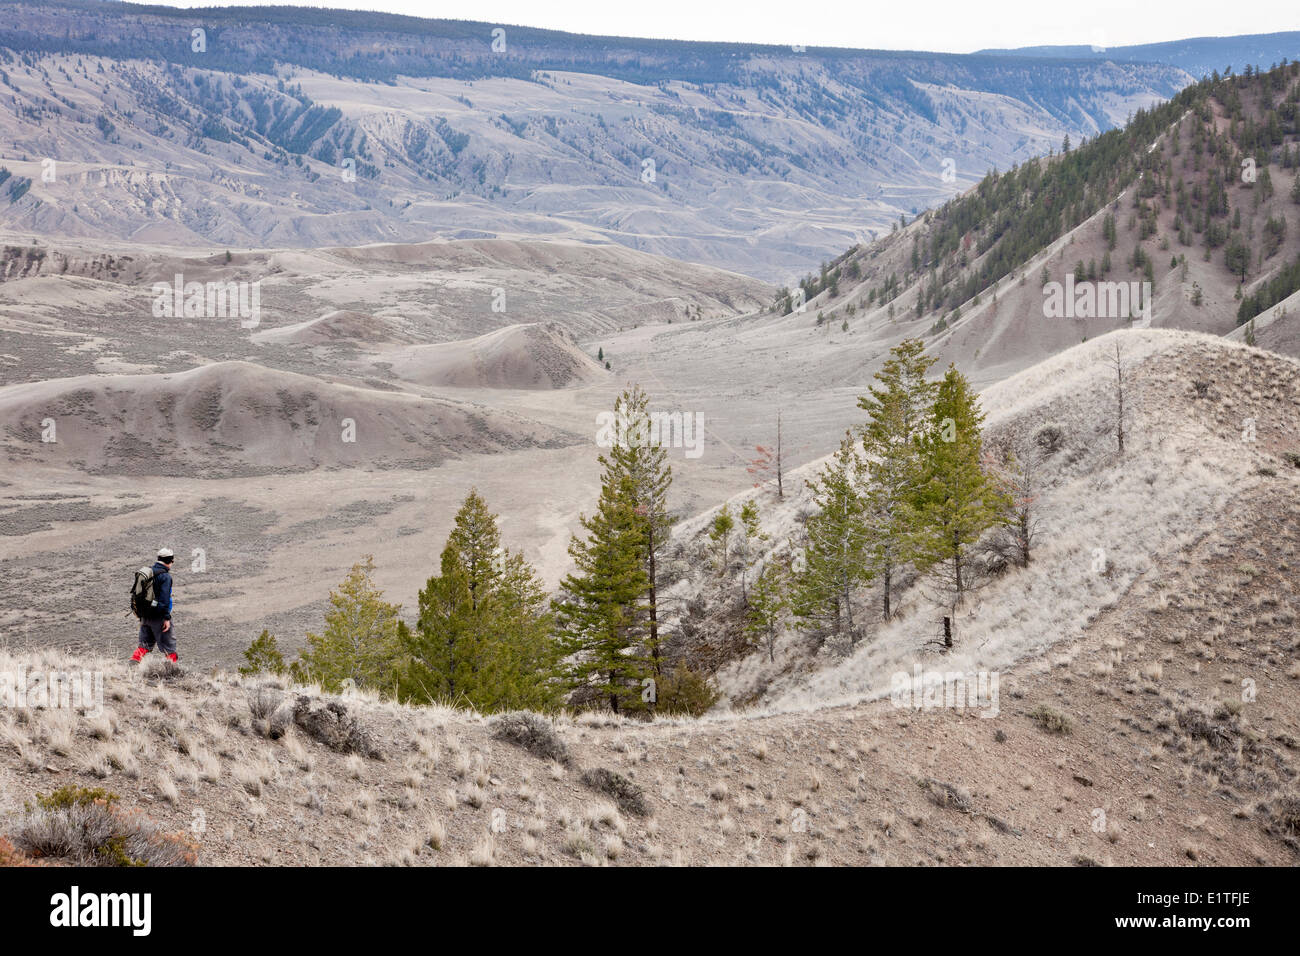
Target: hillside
[(75, 309), (516, 357), (232, 418), (1199, 56), (1191, 196), (1192, 401), (1145, 716), (335, 305)]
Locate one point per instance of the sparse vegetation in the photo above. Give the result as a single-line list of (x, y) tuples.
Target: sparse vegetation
[(1052, 721), (624, 792), (85, 826), (533, 733)]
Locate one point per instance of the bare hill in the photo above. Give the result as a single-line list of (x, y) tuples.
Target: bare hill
[(234, 418), (516, 357), (340, 326)]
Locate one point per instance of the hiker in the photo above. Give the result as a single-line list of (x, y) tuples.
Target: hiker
[(152, 603)]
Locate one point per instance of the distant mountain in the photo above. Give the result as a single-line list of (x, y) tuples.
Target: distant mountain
[(274, 126), (1200, 56)]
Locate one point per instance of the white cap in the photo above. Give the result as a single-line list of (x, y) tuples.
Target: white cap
[(166, 553)]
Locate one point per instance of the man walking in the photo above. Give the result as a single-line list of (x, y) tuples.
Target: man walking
[(155, 611)]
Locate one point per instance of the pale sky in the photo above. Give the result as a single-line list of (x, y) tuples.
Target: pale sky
[(953, 26)]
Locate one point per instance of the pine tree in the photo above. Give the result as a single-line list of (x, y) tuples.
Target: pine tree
[(897, 409), (720, 534), (599, 611), (751, 539), (483, 638), (958, 501), (444, 650), (836, 558), (477, 545), (1295, 189), (522, 655), (362, 638), (640, 456), (1237, 257), (769, 605), (263, 656)]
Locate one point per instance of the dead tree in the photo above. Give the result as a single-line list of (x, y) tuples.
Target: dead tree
[(769, 463), (1118, 365), (1015, 458)]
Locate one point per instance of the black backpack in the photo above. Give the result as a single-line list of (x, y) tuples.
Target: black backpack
[(142, 597)]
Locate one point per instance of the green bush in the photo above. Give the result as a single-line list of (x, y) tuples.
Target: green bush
[(685, 691), (263, 656), (70, 796), (1053, 721)]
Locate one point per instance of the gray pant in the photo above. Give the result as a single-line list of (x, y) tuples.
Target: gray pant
[(151, 633)]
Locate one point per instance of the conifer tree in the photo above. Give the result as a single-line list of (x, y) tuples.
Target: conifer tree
[(637, 453), (836, 558), (720, 534), (483, 638), (263, 656), (477, 543), (602, 600), (769, 605), (957, 499), (444, 650), (362, 638), (522, 655), (751, 538), (898, 408)]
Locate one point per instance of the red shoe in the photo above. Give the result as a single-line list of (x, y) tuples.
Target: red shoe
[(172, 658), (139, 654)]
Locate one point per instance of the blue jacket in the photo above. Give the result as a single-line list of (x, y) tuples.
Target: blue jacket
[(162, 593)]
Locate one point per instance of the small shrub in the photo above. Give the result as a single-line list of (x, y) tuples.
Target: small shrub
[(946, 795), (1220, 730), (83, 825), (333, 726), (685, 691), (263, 656), (9, 856), (69, 796), (268, 718), (533, 733), (578, 845), (624, 792), (1281, 818), (1052, 721), (1050, 438)]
